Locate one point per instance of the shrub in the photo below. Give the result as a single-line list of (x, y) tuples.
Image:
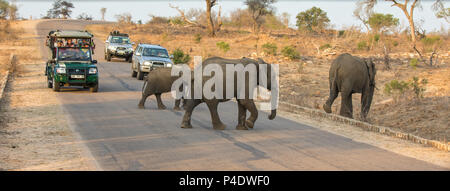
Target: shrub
[(159, 20), (376, 37), (290, 52), (414, 62), (225, 47), (362, 45), (396, 89), (198, 38), (325, 46), (418, 87), (341, 33), (270, 48), (179, 57)]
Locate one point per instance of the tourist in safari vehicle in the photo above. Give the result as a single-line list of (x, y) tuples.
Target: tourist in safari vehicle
[(70, 61)]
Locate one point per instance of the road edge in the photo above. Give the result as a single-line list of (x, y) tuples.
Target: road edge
[(315, 113)]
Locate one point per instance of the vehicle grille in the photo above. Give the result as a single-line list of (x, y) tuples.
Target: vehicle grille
[(121, 48), (158, 64), (77, 71)]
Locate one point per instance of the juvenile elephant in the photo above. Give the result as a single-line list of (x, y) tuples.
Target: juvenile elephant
[(243, 104), (158, 81), (348, 75)]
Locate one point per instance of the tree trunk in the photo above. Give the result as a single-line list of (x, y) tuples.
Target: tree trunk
[(209, 6)]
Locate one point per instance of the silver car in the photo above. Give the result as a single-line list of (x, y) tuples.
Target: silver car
[(118, 45), (149, 56)]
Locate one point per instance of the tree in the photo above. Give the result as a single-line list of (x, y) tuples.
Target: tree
[(408, 10), (60, 9), (258, 9), (4, 8), (84, 16), (444, 14), (379, 22), (314, 19), (209, 5), (103, 12)]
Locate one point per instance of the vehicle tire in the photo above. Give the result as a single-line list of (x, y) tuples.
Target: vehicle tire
[(108, 57), (133, 73), (49, 83), (56, 86), (140, 75), (94, 88)]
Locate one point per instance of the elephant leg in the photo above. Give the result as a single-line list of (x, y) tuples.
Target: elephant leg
[(217, 123), (160, 103), (189, 107), (250, 106), (177, 105), (143, 99), (333, 95), (242, 112), (346, 105), (366, 100)]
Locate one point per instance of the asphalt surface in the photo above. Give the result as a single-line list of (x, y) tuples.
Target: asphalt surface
[(122, 137)]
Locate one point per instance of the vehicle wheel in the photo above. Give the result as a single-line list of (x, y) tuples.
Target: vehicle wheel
[(140, 75), (49, 83), (56, 86), (94, 88), (108, 57), (133, 73)]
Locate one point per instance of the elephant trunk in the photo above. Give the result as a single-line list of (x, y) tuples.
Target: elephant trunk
[(273, 114)]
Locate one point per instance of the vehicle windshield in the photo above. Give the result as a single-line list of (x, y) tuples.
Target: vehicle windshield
[(155, 52), (120, 40), (74, 54)]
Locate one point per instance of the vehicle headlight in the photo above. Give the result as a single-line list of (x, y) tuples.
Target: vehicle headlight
[(169, 64), (92, 70), (112, 48), (147, 63), (61, 70), (130, 49)]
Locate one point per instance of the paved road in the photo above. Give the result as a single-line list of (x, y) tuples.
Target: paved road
[(122, 137)]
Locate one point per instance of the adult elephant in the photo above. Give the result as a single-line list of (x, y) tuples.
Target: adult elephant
[(350, 74), (243, 104)]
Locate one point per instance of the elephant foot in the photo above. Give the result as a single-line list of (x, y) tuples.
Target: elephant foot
[(241, 127), (327, 108), (162, 107), (141, 106), (177, 108), (249, 124), (219, 126), (186, 126)]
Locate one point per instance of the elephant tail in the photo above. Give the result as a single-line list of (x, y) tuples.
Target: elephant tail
[(143, 86)]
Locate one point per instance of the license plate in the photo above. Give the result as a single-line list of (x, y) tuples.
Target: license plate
[(77, 76)]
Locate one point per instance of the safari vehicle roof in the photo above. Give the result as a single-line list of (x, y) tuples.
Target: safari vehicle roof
[(70, 34)]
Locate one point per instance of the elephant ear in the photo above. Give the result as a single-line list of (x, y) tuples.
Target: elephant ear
[(261, 61)]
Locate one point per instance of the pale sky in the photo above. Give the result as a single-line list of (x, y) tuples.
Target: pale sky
[(340, 12)]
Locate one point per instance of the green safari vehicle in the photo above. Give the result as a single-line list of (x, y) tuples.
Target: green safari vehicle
[(70, 61)]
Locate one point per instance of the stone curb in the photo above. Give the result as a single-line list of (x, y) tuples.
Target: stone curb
[(4, 81), (366, 126)]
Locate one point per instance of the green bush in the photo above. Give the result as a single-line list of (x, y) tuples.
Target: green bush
[(376, 37), (418, 87), (179, 57), (325, 46), (414, 62), (290, 52), (225, 47), (362, 45), (198, 38), (396, 89), (270, 48)]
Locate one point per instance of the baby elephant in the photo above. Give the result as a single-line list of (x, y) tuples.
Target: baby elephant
[(348, 75), (158, 81)]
